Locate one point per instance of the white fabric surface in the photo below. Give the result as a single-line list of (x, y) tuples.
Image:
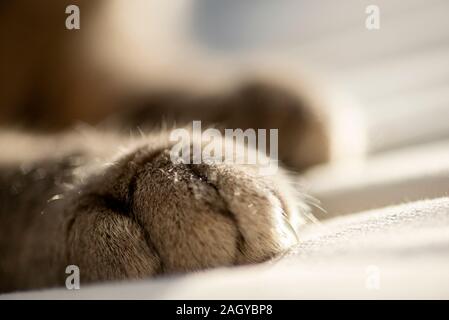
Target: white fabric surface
[(389, 178)]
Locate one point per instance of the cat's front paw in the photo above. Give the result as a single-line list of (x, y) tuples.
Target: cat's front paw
[(147, 215)]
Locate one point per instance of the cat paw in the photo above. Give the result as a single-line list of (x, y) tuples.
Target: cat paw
[(147, 215)]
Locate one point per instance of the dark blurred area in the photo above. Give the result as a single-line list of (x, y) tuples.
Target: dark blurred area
[(52, 77)]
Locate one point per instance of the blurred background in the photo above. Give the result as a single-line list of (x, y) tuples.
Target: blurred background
[(397, 75)]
